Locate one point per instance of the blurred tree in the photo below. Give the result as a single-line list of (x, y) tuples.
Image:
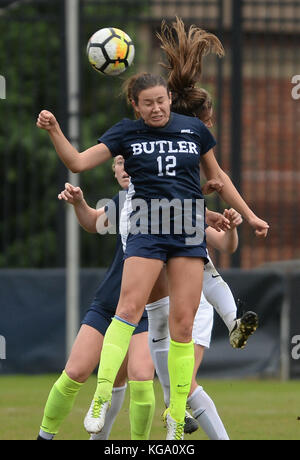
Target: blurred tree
[(33, 62)]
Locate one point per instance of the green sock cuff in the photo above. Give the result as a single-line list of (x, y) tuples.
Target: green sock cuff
[(140, 389), (66, 385), (118, 318), (122, 323), (181, 344)]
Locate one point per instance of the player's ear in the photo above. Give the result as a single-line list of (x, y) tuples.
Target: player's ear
[(170, 97), (135, 107)]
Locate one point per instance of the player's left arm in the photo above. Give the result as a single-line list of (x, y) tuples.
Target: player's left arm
[(230, 194)]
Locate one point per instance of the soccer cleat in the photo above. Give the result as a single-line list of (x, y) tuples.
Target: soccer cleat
[(95, 418), (243, 328), (175, 430), (190, 424)]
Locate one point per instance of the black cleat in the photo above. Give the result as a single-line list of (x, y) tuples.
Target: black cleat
[(190, 424), (243, 328)]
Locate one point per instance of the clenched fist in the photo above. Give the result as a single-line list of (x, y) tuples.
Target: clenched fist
[(46, 120)]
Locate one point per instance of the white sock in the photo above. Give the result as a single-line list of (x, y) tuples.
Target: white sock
[(118, 394), (205, 412), (159, 340), (219, 295)]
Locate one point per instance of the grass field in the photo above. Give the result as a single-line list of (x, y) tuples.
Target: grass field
[(250, 409)]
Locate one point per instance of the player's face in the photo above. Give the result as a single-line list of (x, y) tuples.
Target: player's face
[(120, 174), (154, 106)]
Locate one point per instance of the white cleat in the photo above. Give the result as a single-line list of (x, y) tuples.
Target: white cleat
[(175, 430), (95, 418)]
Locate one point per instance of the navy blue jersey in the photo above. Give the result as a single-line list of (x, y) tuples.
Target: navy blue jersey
[(162, 162), (108, 293)]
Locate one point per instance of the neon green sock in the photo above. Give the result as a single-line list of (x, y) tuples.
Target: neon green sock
[(59, 403), (141, 408), (180, 364), (115, 345)]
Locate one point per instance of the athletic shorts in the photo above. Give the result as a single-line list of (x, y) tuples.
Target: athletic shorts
[(100, 319), (203, 323), (162, 247)]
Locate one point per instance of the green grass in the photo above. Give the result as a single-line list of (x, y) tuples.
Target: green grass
[(250, 409)]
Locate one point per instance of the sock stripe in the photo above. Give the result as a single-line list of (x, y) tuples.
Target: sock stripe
[(124, 321)]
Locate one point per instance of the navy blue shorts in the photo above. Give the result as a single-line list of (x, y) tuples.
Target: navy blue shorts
[(162, 247), (100, 319)]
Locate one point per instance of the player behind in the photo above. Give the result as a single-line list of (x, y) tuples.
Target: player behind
[(86, 351)]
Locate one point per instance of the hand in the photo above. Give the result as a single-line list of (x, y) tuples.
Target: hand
[(73, 195), (217, 221), (212, 185), (46, 120), (260, 226), (234, 217)]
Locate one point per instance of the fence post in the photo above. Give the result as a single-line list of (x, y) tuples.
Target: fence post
[(73, 130), (285, 331), (2, 347), (2, 87)]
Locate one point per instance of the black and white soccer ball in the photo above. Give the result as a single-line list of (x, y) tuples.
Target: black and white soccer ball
[(110, 51)]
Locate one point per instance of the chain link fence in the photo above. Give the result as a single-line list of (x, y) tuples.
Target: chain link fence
[(256, 118)]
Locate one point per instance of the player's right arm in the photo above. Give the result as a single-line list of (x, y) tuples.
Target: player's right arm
[(72, 159), (86, 216)]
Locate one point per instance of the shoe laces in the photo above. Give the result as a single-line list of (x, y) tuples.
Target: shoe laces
[(97, 407), (179, 430), (176, 427)]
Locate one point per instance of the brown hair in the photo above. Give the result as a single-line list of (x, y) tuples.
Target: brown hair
[(113, 166), (184, 51), (137, 83)]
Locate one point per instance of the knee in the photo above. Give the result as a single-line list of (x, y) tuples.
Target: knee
[(181, 329), (129, 308), (77, 374), (141, 373)]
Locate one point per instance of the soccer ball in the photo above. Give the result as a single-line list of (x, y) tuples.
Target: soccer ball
[(110, 51)]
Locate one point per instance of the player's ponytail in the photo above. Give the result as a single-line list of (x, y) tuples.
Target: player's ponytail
[(184, 52)]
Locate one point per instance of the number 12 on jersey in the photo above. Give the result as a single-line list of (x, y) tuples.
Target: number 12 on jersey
[(167, 166)]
